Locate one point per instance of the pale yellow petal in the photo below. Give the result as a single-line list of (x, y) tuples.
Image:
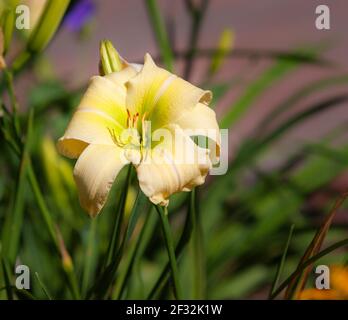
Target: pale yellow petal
[(100, 115), (162, 96), (172, 167), (121, 77), (94, 173), (201, 121), (107, 98)]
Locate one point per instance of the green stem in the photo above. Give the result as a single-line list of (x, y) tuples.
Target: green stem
[(184, 240), (42, 205), (159, 29), (197, 15), (199, 276), (170, 249), (133, 256), (9, 82), (90, 256), (282, 262), (70, 273), (116, 234), (6, 273), (43, 287)]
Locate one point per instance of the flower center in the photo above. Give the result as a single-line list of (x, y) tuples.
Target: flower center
[(134, 138), (132, 120)]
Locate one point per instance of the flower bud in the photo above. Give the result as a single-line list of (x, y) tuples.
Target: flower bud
[(7, 25), (48, 24), (110, 60), (224, 46)]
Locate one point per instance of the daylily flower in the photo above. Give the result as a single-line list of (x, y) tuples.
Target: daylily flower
[(338, 287), (138, 100)]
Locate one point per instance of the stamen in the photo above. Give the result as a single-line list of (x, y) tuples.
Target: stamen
[(135, 119), (128, 118), (143, 117)]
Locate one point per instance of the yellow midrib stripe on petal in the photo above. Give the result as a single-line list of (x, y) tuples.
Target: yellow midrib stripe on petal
[(101, 114)]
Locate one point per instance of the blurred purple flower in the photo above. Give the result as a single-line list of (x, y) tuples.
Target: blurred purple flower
[(79, 14)]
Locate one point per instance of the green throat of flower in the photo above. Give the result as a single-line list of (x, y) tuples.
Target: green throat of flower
[(134, 139)]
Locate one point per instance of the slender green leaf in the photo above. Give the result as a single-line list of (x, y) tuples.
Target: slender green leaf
[(307, 263), (116, 235), (134, 255), (282, 261), (23, 294), (13, 223), (199, 272), (183, 241), (43, 287), (7, 277), (159, 29), (141, 205), (90, 257), (163, 214), (276, 72), (7, 22), (47, 25), (298, 283), (287, 104)]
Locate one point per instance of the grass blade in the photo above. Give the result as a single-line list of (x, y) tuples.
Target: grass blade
[(299, 95), (294, 55), (43, 287), (159, 29), (90, 257), (134, 255), (276, 72), (197, 16), (163, 214), (141, 205), (282, 261), (6, 273), (309, 112), (298, 283), (115, 239), (183, 241), (13, 223), (23, 294), (199, 276), (307, 263)]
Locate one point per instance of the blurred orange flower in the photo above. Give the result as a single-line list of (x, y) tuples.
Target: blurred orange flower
[(338, 284)]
